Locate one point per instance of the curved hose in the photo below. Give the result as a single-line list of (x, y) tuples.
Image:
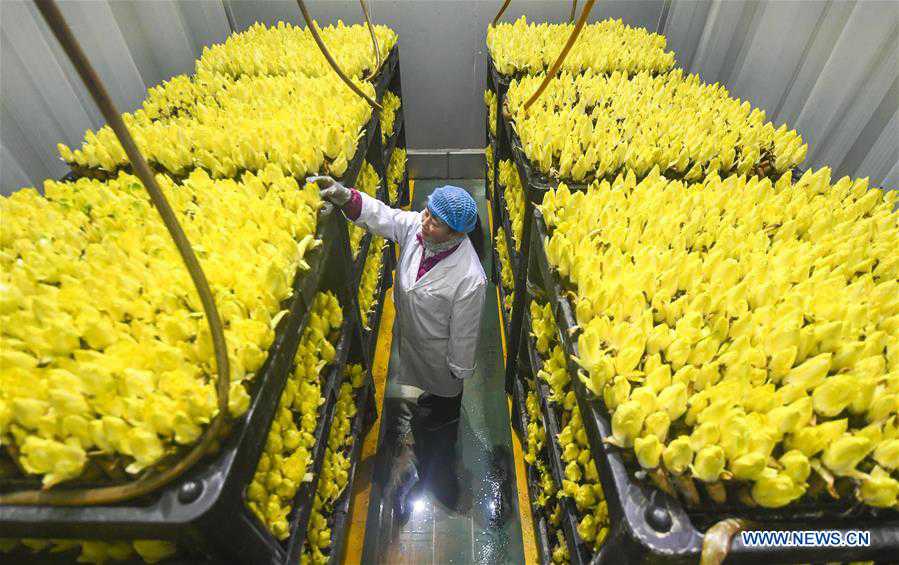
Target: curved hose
[(321, 45), (716, 541), (144, 485), (573, 11), (374, 41), (561, 58), (500, 13)]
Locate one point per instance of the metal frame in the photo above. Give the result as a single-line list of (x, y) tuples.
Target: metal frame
[(205, 509), (646, 524), (649, 524)]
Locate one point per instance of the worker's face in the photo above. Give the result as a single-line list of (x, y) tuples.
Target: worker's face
[(434, 229)]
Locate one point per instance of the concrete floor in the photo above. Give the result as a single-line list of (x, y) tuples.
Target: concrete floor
[(464, 509)]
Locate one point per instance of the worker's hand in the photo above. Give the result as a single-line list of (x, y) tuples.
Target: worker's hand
[(331, 190)]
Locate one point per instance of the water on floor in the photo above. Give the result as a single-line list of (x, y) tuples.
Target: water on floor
[(457, 483)]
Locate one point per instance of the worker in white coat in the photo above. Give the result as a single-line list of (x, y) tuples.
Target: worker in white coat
[(439, 289)]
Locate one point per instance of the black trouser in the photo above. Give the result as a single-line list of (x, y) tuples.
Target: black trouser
[(446, 407), (435, 448)]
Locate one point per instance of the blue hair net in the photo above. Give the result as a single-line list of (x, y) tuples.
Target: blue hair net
[(455, 207)]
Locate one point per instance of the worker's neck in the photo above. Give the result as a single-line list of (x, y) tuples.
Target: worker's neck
[(432, 247)]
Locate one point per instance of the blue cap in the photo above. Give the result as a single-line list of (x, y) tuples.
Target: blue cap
[(455, 207)]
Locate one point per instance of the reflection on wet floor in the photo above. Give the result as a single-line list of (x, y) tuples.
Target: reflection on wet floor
[(447, 495)]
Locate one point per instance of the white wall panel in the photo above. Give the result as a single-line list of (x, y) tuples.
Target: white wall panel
[(826, 67), (132, 45)]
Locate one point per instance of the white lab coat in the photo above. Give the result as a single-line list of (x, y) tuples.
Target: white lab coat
[(438, 317)]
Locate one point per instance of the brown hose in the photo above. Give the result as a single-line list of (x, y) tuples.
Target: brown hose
[(374, 41), (152, 481), (573, 11), (321, 45), (500, 13), (561, 58), (716, 541)]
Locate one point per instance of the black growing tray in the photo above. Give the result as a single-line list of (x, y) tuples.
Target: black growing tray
[(402, 191), (370, 335), (398, 124), (579, 551), (497, 273), (341, 514), (539, 519), (70, 176), (405, 197), (503, 222), (302, 506), (535, 182), (361, 256), (651, 525), (495, 141), (489, 191), (535, 186), (506, 224), (372, 137), (496, 268), (381, 83), (490, 139), (369, 140), (45, 557), (497, 79), (204, 508), (385, 75)]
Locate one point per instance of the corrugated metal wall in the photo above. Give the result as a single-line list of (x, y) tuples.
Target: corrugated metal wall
[(132, 45), (828, 68)]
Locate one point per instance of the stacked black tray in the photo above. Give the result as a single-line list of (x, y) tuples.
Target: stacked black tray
[(647, 525), (651, 525), (205, 511)]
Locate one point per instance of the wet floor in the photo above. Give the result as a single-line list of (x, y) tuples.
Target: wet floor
[(457, 484)]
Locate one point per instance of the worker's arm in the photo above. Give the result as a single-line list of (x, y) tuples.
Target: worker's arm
[(379, 218), (465, 325), (367, 212)]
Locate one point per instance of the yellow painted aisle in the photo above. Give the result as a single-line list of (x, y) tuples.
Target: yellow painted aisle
[(470, 505)]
